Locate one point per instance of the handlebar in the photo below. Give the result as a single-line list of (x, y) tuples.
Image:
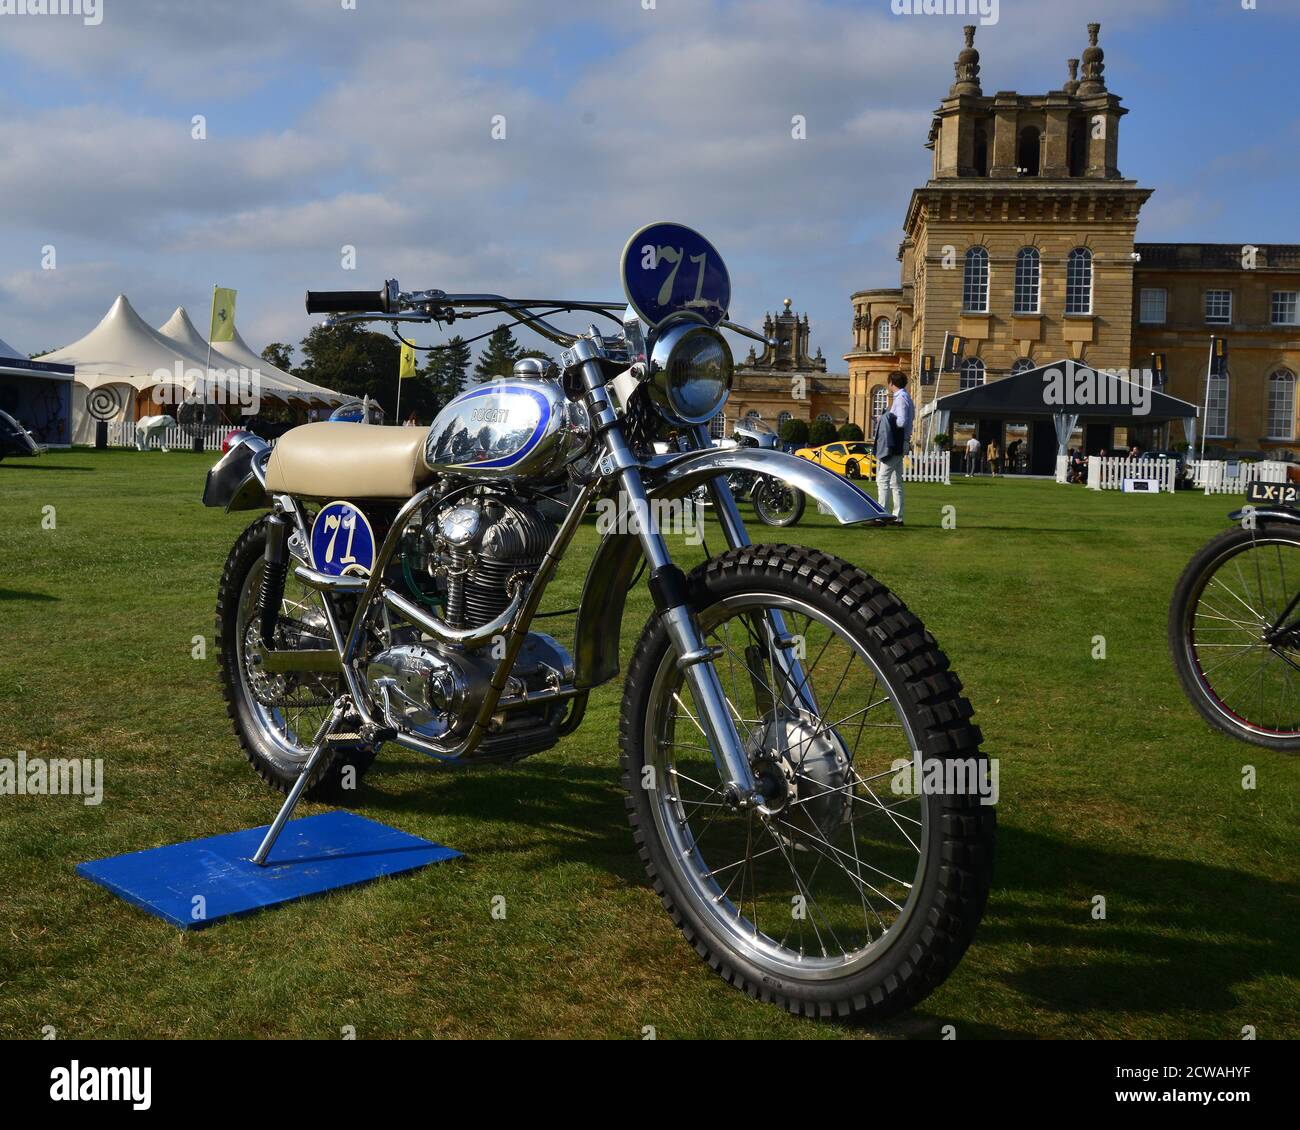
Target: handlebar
[(393, 304), (347, 301)]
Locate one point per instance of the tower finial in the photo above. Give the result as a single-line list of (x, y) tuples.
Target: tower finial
[(967, 66), (1072, 84), (1093, 64)]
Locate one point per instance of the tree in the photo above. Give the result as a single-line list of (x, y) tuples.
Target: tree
[(850, 432), (447, 372), (498, 356), (822, 432), (278, 354), (351, 359), (795, 432)]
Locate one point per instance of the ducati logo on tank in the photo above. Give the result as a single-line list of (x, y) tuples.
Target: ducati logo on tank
[(342, 542)]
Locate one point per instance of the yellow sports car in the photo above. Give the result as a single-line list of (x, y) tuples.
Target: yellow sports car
[(854, 459)]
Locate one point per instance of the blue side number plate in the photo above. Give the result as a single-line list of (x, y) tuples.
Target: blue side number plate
[(342, 541)]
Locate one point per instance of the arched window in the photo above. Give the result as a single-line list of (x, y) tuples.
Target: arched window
[(718, 426), (753, 416), (883, 335), (975, 282), (1216, 405), (824, 418), (782, 419), (879, 402), (1078, 281), (1281, 405), (1027, 151), (972, 373), (1028, 270), (1022, 365)]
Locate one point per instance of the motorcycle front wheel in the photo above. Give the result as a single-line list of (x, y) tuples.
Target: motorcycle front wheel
[(777, 503), (1234, 636), (850, 890)]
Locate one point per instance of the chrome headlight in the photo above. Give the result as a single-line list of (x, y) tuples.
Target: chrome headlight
[(690, 371)]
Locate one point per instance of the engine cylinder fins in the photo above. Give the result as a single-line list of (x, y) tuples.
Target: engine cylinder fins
[(481, 545)]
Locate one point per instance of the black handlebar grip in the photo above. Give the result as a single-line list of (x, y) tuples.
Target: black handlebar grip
[(347, 302)]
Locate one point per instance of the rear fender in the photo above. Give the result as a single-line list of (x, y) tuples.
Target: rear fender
[(237, 481)]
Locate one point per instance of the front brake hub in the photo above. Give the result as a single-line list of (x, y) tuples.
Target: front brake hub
[(799, 764)]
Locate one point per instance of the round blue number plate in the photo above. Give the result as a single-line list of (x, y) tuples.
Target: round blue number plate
[(668, 268)]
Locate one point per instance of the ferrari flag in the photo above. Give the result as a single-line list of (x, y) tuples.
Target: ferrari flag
[(223, 314)]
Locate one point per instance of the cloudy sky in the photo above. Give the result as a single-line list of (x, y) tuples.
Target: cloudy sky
[(369, 123)]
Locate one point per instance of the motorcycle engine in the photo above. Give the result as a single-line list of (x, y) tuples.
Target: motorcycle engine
[(471, 557)]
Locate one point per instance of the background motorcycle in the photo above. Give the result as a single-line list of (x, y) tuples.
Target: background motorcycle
[(390, 593), (1234, 622), (776, 502)]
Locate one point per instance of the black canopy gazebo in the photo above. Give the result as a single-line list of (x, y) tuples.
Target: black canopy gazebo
[(1060, 396)]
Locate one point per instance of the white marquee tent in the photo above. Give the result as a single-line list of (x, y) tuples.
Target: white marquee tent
[(236, 354), (239, 350), (123, 356)]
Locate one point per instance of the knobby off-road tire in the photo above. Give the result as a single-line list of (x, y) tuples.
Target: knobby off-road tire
[(276, 740), (918, 949), (1226, 670)]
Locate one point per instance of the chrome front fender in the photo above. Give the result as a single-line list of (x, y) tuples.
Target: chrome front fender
[(671, 476), (604, 594)]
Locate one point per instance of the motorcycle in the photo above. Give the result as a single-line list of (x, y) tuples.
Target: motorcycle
[(390, 596), (1234, 632), (776, 502)]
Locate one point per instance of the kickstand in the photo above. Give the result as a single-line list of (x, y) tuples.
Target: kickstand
[(291, 801)]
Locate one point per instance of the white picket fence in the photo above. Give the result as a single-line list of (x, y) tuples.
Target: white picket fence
[(1223, 476), (1110, 472), (122, 434), (928, 466)]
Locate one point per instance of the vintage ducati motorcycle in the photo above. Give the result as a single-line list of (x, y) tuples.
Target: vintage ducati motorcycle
[(392, 591)]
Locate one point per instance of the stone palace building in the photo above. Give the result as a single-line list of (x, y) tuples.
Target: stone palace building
[(1024, 242)]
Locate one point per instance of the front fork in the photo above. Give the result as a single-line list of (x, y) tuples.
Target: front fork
[(668, 589)]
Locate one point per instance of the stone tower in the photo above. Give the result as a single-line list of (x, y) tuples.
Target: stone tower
[(1012, 172)]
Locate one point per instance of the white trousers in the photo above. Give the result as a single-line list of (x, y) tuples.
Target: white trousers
[(889, 484)]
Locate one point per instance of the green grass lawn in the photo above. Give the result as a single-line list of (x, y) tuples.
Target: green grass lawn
[(1110, 784)]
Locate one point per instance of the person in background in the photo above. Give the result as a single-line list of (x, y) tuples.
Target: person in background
[(411, 421), (972, 455), (893, 437), (994, 456)]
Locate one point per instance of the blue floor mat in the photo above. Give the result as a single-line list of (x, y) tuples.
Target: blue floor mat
[(200, 882)]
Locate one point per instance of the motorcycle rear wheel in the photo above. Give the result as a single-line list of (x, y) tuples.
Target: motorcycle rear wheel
[(838, 898), (276, 718)]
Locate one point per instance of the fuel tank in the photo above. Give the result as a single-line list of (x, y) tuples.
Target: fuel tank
[(508, 429)]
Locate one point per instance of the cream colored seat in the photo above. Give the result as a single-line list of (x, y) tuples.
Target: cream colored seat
[(335, 460)]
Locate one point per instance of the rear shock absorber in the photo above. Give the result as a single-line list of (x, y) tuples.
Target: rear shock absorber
[(274, 574)]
